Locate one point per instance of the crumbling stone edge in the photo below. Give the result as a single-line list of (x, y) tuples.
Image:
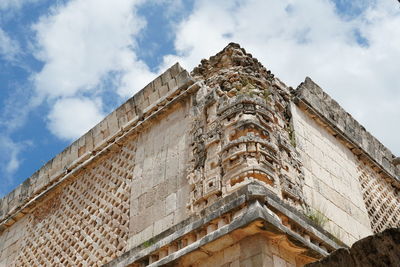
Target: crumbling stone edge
[(382, 249), (328, 113), (20, 201), (252, 203)]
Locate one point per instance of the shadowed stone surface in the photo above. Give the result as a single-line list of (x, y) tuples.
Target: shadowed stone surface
[(380, 250)]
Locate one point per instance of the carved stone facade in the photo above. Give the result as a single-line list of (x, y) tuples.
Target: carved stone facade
[(87, 223), (225, 166), (242, 131), (381, 200)]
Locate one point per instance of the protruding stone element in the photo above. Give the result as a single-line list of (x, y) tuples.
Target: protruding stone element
[(233, 71), (242, 131), (382, 249), (312, 98), (396, 161), (379, 175)]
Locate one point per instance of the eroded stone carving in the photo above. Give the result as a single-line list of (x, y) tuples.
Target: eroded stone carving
[(242, 130)]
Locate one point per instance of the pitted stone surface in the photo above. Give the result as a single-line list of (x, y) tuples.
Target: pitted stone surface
[(242, 130), (381, 250), (381, 200), (90, 144), (332, 184), (85, 224), (332, 112)]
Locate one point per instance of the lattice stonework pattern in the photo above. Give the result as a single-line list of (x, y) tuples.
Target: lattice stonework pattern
[(382, 201), (86, 224)]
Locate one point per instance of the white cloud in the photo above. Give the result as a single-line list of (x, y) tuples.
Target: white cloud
[(9, 48), (14, 111), (71, 117), (83, 41), (88, 46), (296, 39), (11, 149), (202, 33), (10, 156)]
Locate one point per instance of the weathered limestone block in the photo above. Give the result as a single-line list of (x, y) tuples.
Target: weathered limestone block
[(382, 249), (331, 173), (91, 143), (241, 131), (311, 95)]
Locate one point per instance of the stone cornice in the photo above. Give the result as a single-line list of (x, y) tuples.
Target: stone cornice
[(250, 205), (328, 113), (106, 136)]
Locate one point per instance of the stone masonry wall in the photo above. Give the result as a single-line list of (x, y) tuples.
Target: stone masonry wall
[(185, 142), (160, 191), (126, 173), (331, 179), (381, 199), (10, 242), (358, 139), (118, 202), (377, 172), (84, 223), (92, 143), (256, 250)]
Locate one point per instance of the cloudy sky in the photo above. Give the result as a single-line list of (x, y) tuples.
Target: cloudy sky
[(65, 64)]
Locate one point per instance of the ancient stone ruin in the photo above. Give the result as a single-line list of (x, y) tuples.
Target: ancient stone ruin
[(223, 166), (382, 249)]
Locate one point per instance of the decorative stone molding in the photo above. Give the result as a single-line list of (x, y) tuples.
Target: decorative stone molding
[(242, 131), (251, 209), (127, 119), (310, 97), (379, 172)]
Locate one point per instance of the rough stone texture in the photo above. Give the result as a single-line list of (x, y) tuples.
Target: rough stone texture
[(93, 141), (195, 166), (311, 94), (382, 200), (10, 242), (381, 250), (251, 251), (87, 222), (241, 131), (361, 156), (251, 210), (331, 179), (93, 215), (159, 190)]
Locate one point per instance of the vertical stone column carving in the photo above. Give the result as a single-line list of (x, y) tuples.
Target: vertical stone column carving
[(241, 131), (249, 151)]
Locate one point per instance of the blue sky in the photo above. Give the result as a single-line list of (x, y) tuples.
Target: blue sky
[(65, 64)]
